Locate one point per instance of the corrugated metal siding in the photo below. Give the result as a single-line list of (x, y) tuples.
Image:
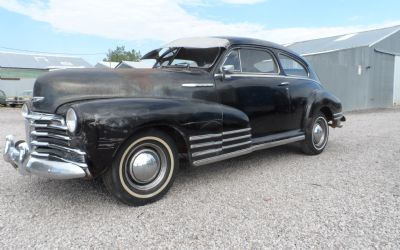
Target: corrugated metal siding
[(338, 72), (380, 91), (21, 73), (396, 91), (16, 87)]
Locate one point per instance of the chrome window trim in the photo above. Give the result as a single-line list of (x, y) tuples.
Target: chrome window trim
[(291, 57), (264, 50), (239, 48), (228, 54), (195, 85), (276, 76)]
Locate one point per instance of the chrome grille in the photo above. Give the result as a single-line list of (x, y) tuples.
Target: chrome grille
[(48, 138)]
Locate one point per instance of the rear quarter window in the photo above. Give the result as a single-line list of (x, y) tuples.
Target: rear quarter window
[(292, 66)]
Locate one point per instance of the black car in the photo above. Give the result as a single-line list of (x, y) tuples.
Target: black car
[(205, 100), (3, 98)]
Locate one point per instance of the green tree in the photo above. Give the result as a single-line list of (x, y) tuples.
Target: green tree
[(119, 54)]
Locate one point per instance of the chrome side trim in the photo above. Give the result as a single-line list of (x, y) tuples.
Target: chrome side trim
[(203, 137), (236, 145), (195, 85), (247, 150), (206, 152), (222, 157), (209, 136), (236, 131), (278, 143), (236, 138), (205, 144), (273, 76), (55, 136)]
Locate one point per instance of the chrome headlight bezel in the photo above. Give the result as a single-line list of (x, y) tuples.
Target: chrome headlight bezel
[(71, 120)]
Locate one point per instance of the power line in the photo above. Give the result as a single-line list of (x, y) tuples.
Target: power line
[(43, 52)]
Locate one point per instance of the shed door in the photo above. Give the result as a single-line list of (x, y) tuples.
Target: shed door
[(396, 93)]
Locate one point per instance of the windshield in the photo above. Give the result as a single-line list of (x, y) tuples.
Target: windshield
[(188, 57)]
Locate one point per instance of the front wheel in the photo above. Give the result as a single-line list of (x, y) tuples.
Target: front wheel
[(144, 168), (317, 133)]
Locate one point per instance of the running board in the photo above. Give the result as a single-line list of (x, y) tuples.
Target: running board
[(248, 150)]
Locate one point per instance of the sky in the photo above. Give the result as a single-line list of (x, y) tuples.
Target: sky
[(88, 28)]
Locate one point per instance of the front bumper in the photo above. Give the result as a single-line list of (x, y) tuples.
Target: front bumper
[(19, 155)]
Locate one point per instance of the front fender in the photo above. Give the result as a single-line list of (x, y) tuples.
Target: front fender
[(104, 125)]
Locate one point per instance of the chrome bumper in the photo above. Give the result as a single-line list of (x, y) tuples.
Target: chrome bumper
[(19, 155)]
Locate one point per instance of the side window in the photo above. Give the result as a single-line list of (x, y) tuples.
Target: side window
[(234, 60), (257, 61), (292, 67)]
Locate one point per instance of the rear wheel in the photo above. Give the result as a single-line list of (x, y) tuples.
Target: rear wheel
[(144, 168), (317, 133)]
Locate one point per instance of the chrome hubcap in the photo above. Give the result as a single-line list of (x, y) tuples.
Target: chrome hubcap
[(319, 133), (144, 166)]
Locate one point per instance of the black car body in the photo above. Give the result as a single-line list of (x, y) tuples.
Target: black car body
[(3, 98), (205, 100)]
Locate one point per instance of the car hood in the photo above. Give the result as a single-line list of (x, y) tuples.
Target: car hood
[(65, 86)]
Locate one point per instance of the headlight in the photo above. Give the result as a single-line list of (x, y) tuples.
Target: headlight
[(25, 110), (72, 120)]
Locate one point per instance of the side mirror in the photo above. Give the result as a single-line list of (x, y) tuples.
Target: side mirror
[(227, 69)]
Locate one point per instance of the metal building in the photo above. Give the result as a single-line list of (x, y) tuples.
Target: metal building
[(18, 71), (362, 69)]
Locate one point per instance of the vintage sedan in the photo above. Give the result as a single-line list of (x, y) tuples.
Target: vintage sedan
[(205, 100)]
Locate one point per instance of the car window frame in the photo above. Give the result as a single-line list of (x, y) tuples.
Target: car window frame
[(228, 54), (264, 49), (296, 60)]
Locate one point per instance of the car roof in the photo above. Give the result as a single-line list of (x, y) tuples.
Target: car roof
[(224, 42)]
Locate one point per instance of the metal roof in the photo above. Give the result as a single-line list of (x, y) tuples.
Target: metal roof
[(38, 61), (106, 65), (347, 41)]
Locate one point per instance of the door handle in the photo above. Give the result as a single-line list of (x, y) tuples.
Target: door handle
[(284, 84)]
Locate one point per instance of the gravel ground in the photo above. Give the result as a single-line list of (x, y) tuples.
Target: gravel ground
[(347, 197)]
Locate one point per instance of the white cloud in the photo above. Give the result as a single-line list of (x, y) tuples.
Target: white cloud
[(155, 20), (243, 1)]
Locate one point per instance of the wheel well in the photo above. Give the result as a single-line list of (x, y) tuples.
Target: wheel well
[(175, 134), (328, 113)]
